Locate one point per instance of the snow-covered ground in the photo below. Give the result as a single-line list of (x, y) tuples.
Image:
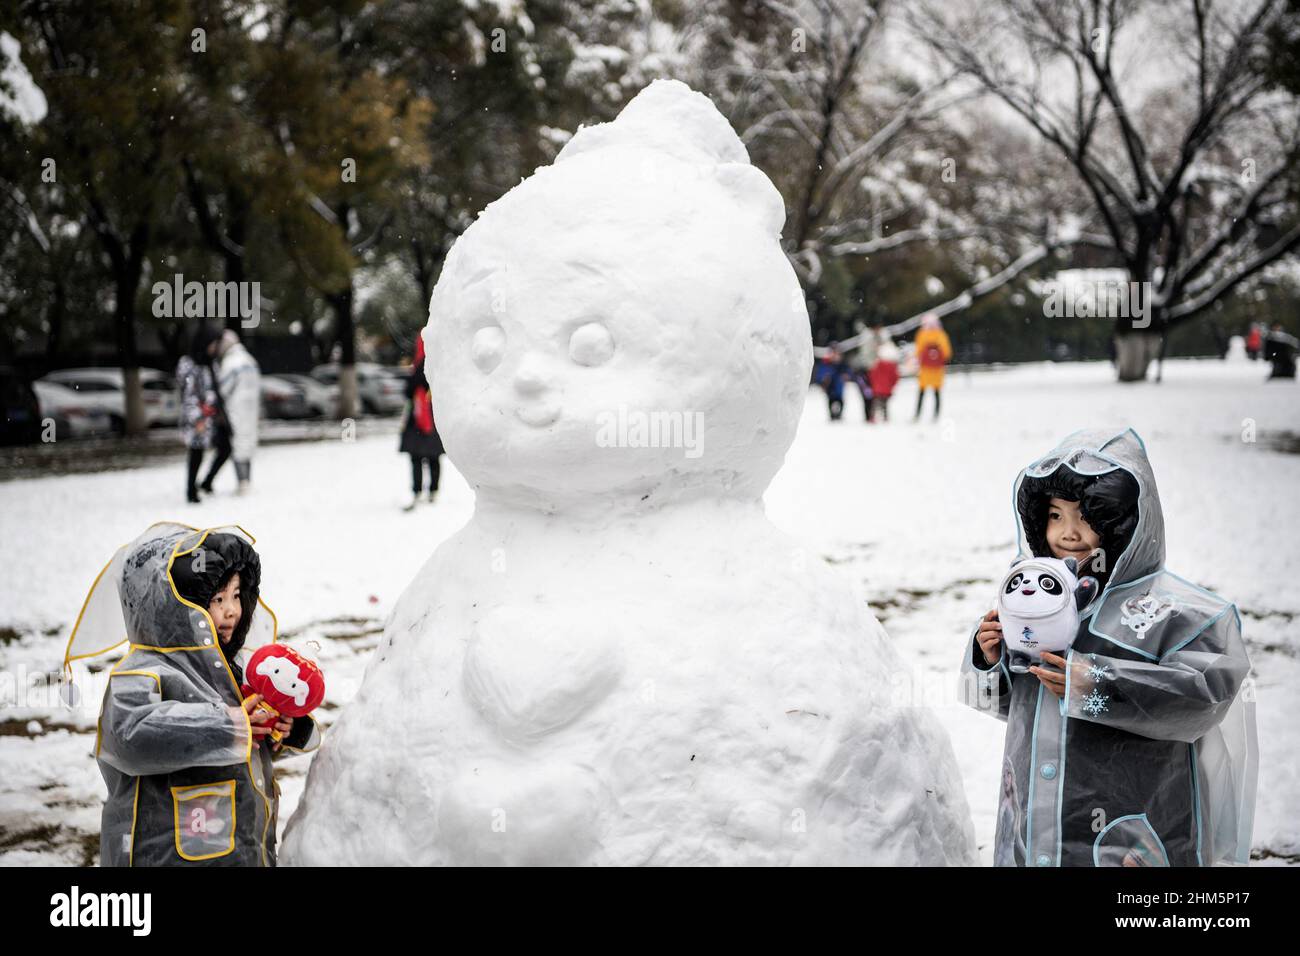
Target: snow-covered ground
[(918, 515)]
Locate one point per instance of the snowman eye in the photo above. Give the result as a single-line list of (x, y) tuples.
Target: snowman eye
[(591, 344), (487, 347), (1048, 583)]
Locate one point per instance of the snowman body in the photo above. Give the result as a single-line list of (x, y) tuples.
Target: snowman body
[(619, 660)]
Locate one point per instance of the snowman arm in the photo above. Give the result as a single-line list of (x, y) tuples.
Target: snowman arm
[(1180, 697), (304, 737), (984, 686), (141, 734)]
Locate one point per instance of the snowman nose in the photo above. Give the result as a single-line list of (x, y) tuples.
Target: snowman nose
[(528, 378)]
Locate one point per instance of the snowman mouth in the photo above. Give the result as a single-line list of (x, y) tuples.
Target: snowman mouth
[(538, 416)]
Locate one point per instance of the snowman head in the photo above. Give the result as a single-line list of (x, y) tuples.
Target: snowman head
[(623, 326)]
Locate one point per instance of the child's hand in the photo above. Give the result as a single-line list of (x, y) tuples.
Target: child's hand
[(257, 719), (1052, 680), (283, 725), (990, 636)]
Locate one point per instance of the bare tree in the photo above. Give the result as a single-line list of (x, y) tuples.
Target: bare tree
[(865, 153), (1190, 182), (809, 110)]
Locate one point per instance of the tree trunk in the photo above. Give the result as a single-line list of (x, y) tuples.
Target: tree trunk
[(1133, 355), (349, 399), (346, 332), (136, 423), (124, 316), (54, 316), (234, 261)]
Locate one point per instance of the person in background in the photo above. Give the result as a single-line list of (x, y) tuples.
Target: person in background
[(1279, 349), (1254, 341), (202, 423), (884, 376), (419, 432), (239, 380), (933, 350), (859, 362), (829, 373)]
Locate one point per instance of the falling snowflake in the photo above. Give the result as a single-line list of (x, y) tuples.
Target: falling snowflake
[(1095, 704)]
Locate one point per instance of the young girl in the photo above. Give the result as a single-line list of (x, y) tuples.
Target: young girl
[(1137, 746), (188, 770)]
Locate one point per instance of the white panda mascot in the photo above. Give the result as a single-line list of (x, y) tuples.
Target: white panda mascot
[(1038, 607)]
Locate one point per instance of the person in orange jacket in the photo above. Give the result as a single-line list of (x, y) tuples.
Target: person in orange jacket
[(933, 350)]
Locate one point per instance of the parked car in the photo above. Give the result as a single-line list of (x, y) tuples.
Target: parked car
[(21, 424), (322, 399), (102, 388), (282, 399), (73, 417), (381, 393)]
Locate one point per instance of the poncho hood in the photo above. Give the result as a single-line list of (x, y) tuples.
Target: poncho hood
[(1107, 471)]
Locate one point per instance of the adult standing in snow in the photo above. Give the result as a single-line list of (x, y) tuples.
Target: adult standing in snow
[(240, 382), (933, 350), (1280, 349), (419, 434), (201, 420)]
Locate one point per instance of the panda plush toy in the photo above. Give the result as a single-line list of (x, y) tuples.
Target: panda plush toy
[(1038, 607)]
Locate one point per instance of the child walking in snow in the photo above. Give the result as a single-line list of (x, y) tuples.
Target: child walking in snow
[(186, 760), (884, 376), (1136, 746)]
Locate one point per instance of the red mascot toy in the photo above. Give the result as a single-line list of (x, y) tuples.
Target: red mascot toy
[(290, 684)]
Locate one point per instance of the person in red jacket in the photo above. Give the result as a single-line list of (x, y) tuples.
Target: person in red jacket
[(420, 437), (884, 376), (1254, 341)]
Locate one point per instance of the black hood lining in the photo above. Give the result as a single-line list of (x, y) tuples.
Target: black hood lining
[(1108, 502), (225, 553)]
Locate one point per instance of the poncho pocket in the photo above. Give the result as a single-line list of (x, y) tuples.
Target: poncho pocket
[(205, 820), (1129, 841)]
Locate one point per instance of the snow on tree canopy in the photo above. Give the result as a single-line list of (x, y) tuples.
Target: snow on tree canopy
[(619, 660)]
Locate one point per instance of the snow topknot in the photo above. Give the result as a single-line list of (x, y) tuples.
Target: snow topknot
[(668, 116)]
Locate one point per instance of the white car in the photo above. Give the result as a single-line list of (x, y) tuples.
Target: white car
[(73, 416), (381, 392), (322, 399), (102, 388), (283, 399)]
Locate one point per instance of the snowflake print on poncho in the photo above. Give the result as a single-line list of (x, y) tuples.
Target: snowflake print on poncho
[(1095, 704), (1098, 672)]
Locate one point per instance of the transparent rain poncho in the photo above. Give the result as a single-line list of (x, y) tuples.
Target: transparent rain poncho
[(1150, 758), (186, 783)]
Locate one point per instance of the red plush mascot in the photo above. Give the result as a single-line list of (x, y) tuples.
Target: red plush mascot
[(290, 684)]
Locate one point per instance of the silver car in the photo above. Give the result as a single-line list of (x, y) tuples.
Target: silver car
[(73, 417), (322, 399), (381, 392), (102, 389)]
